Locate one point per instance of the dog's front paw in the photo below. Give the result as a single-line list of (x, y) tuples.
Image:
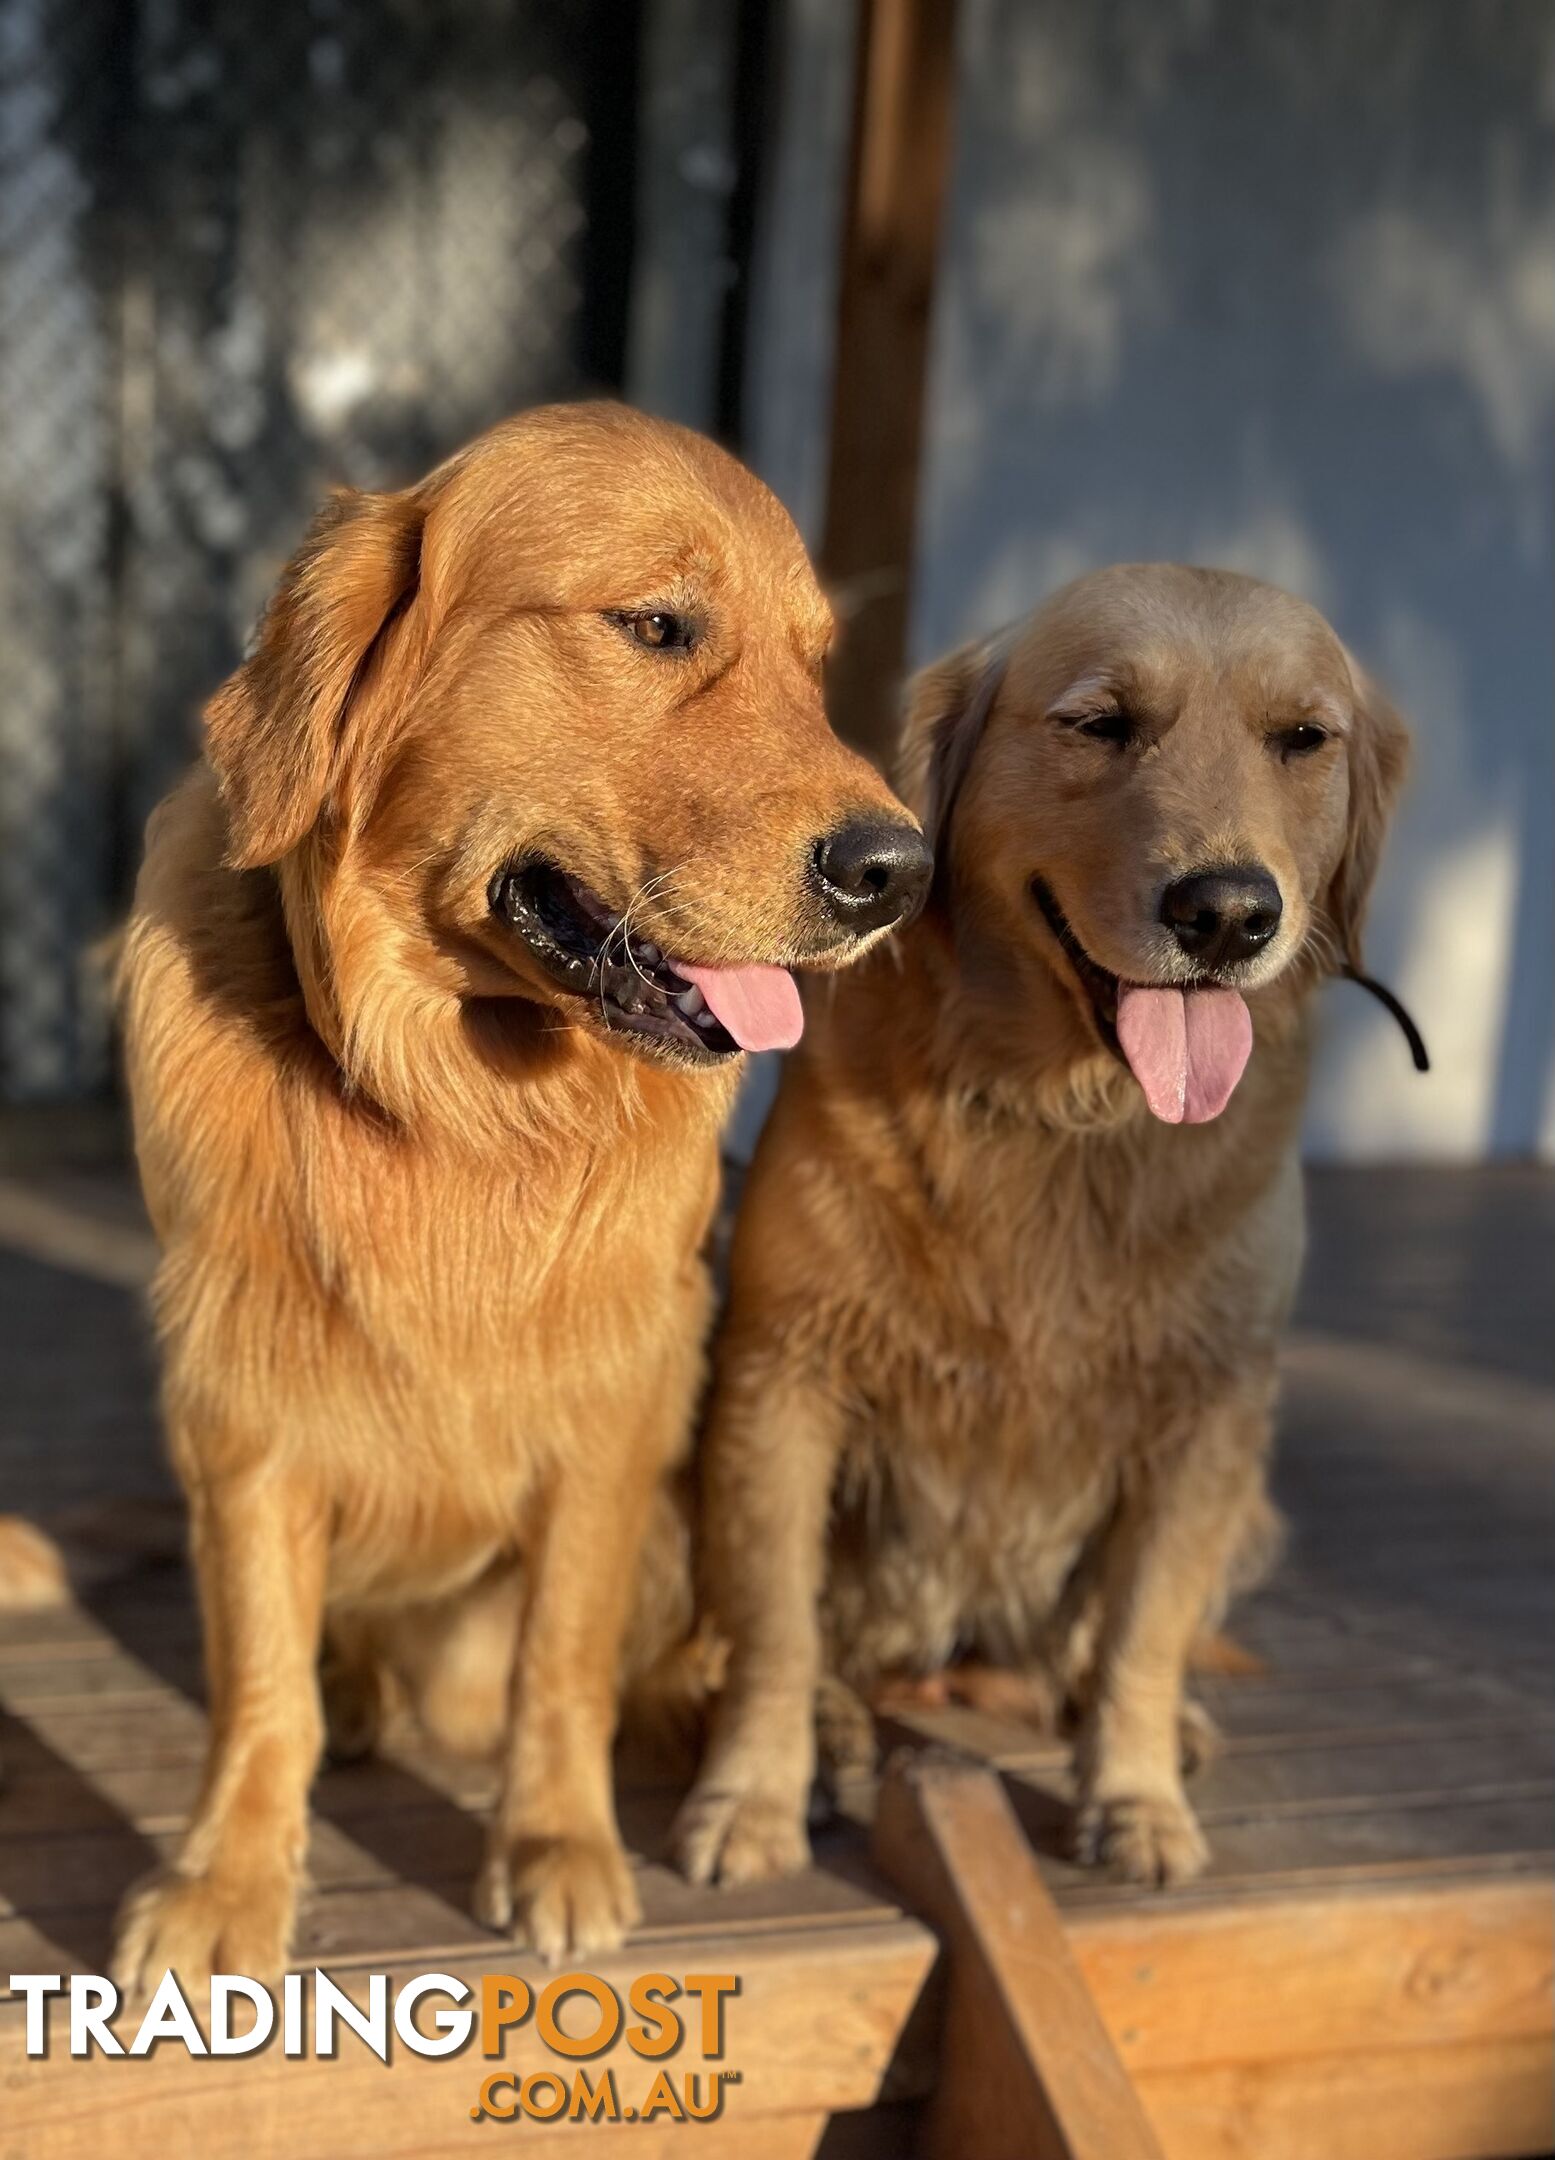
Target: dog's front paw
[(562, 1895), (196, 1925), (731, 1837), (1152, 1839)]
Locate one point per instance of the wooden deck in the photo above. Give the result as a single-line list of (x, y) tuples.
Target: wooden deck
[(1366, 1970)]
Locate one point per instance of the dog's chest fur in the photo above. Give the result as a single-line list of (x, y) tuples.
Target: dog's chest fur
[(524, 1323), (424, 1325), (1074, 1302)]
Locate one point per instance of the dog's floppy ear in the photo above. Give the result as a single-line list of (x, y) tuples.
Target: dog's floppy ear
[(1379, 759), (277, 732), (946, 706)]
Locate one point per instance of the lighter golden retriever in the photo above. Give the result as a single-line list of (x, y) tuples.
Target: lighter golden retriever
[(434, 993), (1022, 1233)]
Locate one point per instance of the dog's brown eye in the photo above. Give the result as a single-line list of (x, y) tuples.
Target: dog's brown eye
[(1108, 727), (1301, 740), (658, 630)]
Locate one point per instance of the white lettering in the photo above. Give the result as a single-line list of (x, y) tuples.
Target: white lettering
[(168, 2018), (453, 2025), (33, 1987), (332, 2006), (224, 2041), (89, 2018)]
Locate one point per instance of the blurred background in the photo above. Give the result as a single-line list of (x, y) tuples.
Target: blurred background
[(989, 292)]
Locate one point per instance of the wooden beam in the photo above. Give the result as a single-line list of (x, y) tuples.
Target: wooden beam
[(1261, 1979), (817, 2027), (1488, 2101), (904, 95), (1028, 2070)]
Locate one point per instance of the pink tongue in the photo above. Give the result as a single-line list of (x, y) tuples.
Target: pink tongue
[(1186, 1050), (758, 1005)]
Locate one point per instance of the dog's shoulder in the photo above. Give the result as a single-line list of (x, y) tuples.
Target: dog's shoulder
[(207, 994)]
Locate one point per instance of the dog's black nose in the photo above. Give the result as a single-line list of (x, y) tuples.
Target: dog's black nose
[(873, 872), (1220, 917)]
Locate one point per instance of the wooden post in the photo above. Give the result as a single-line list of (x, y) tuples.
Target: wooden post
[(904, 92), (1027, 2069)]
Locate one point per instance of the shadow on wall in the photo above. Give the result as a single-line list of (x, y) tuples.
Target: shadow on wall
[(1275, 288)]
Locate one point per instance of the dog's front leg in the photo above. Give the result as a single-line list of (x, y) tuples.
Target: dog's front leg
[(770, 1454), (555, 1870), (260, 1548), (1167, 1555)]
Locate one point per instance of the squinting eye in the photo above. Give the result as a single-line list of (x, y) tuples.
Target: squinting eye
[(659, 631), (1108, 727), (1301, 740)]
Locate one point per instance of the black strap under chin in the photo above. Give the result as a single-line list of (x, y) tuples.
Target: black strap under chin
[(1397, 1008)]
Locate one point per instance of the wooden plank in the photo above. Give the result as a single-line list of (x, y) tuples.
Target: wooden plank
[(1406, 1703), (800, 2050), (761, 2137), (123, 1254), (401, 1884), (63, 1683), (1504, 1760), (354, 1926), (162, 1729), (57, 1769), (1296, 1645), (1487, 2101), (758, 2137), (155, 1603), (43, 1876), (67, 1634), (1027, 2069), (1336, 1849), (1255, 1717), (51, 1795), (436, 1848), (1253, 1891), (1420, 1966), (904, 95), (1512, 1411), (1427, 1542)]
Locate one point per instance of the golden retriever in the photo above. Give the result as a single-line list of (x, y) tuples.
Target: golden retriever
[(434, 992), (1022, 1232)]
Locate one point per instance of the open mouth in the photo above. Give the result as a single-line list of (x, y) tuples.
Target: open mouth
[(630, 983), (1186, 1044), (1101, 987)]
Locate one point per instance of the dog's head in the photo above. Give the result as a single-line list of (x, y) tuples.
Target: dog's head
[(543, 737), (1166, 789)]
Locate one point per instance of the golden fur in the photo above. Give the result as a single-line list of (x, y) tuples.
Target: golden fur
[(431, 1302), (998, 1367), (33, 1575)]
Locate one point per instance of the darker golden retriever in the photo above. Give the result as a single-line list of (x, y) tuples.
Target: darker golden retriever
[(1022, 1233), (434, 991)]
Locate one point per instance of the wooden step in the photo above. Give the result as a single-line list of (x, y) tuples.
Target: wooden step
[(821, 2023)]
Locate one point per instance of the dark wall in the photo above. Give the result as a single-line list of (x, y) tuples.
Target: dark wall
[(246, 253)]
